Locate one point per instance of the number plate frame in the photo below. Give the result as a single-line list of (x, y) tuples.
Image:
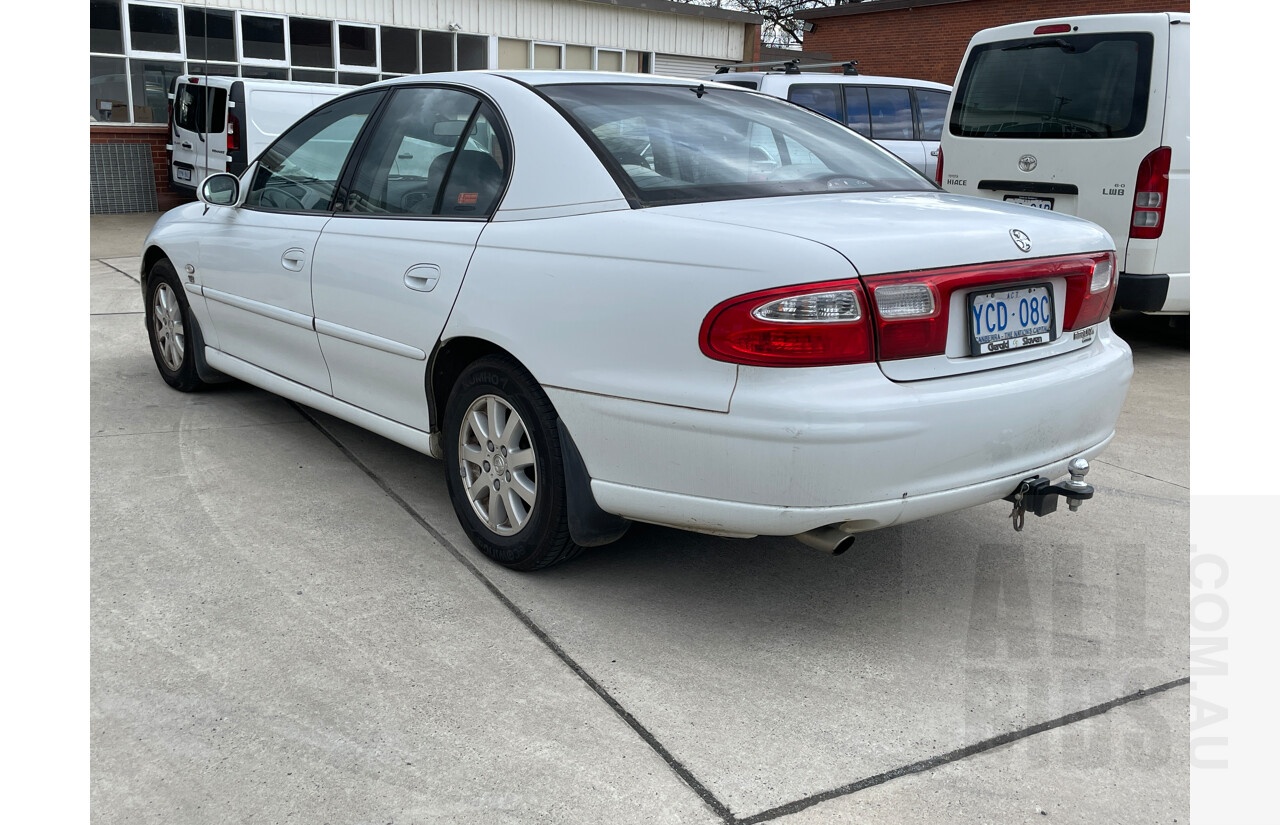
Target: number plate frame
[(1035, 203), (182, 174), (976, 348)]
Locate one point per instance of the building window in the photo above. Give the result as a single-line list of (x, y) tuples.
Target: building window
[(311, 42), (312, 76), (513, 54), (547, 56), (108, 90), (154, 29), (106, 34), (357, 46), (437, 51), (262, 38), (399, 50), (150, 82), (211, 34), (607, 60), (473, 52), (577, 58), (264, 72), (356, 78)]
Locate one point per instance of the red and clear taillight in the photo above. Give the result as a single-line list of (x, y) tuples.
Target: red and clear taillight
[(811, 325), (233, 132), (831, 323), (1151, 195), (937, 173)]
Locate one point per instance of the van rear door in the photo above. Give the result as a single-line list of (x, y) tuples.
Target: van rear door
[(199, 131), (1060, 116)]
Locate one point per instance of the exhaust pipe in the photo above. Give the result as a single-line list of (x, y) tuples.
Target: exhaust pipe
[(830, 539)]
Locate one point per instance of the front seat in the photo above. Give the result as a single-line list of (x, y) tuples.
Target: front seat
[(473, 185)]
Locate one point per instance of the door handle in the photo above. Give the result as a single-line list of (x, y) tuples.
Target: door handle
[(422, 277), (934, 153), (186, 145), (293, 259)]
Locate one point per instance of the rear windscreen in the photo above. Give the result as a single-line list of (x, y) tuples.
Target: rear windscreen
[(1063, 87), (195, 105)]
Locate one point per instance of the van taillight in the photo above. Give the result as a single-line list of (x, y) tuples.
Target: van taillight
[(233, 132), (1053, 28), (937, 174), (1151, 194)]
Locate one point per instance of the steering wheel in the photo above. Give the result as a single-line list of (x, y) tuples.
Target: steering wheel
[(277, 198)]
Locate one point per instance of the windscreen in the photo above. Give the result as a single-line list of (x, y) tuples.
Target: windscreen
[(1060, 87), (685, 144)]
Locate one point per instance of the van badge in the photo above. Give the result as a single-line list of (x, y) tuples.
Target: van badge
[(1022, 239), (1027, 163)]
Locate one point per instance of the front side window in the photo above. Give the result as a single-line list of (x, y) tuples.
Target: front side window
[(891, 117), (300, 171), (1066, 87), (434, 152), (670, 144)]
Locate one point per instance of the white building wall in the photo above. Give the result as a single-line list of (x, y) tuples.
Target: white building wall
[(557, 21)]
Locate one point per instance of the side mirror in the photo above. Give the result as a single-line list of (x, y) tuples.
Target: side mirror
[(220, 189)]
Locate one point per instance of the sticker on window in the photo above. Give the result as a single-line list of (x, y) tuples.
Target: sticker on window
[(468, 197)]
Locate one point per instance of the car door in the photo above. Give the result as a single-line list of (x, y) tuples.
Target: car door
[(255, 259), (932, 106), (199, 137), (389, 265)]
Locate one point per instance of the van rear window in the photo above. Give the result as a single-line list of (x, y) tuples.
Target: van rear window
[(1066, 87), (196, 104)]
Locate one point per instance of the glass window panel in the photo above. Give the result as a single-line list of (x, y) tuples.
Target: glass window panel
[(825, 100), (577, 58), (545, 56), (299, 172), (108, 90), (399, 50), (153, 29), (150, 81), (211, 34), (264, 72), (513, 54), (310, 42), (105, 27), (890, 113), (356, 78), (857, 114), (216, 69), (312, 76), (636, 61), (262, 38), (196, 109), (410, 152), (473, 52), (437, 52), (933, 109), (357, 46), (609, 61)]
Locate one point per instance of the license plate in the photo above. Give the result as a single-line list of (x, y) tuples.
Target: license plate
[(1037, 203), (1008, 319), (181, 174)]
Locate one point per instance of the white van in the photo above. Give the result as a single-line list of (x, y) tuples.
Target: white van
[(903, 115), (220, 124), (1090, 116)]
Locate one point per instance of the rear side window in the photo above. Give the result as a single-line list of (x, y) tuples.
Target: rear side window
[(200, 109), (933, 110), (1062, 87), (890, 113), (825, 100)]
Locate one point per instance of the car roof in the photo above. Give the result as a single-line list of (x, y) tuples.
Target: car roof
[(829, 77)]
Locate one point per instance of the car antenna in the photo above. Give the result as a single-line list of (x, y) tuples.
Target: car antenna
[(700, 91)]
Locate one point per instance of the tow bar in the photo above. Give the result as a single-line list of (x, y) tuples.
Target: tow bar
[(1041, 497)]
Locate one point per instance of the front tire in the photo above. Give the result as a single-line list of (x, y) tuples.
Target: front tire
[(504, 468), (169, 324)]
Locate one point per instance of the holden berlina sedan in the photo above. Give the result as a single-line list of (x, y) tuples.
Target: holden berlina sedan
[(606, 298)]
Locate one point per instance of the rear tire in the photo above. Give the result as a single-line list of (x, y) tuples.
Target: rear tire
[(504, 468), (169, 325)]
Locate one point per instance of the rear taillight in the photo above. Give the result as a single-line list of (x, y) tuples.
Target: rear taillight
[(233, 132), (833, 323), (1151, 194), (937, 174), (810, 325)]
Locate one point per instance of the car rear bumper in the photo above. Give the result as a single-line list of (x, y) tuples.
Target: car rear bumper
[(802, 448), (1155, 293)]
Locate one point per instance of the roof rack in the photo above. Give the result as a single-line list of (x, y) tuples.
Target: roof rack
[(792, 66)]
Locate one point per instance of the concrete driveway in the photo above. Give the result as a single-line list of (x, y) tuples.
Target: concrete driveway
[(288, 625)]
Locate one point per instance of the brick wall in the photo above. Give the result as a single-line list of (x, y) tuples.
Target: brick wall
[(155, 138), (928, 42)]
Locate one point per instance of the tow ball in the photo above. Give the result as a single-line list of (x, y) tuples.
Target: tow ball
[(1040, 496)]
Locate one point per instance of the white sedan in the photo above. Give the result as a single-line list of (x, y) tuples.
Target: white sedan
[(609, 298)]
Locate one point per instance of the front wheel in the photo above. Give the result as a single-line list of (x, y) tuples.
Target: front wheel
[(504, 468), (168, 328)]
